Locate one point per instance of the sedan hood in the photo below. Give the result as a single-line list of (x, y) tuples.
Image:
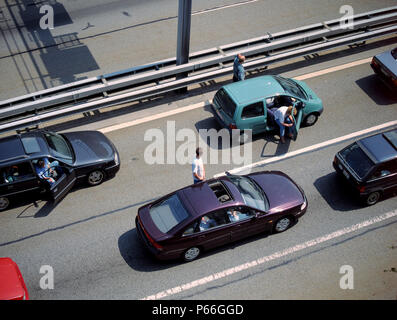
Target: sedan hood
[(90, 146), (280, 190)]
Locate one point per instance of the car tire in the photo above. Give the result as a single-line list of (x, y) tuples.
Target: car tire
[(282, 224), (4, 203), (95, 177), (372, 198), (191, 254), (310, 119)]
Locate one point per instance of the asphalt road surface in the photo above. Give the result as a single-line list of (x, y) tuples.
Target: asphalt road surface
[(89, 238)]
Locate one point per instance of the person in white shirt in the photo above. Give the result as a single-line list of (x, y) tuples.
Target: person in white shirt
[(284, 119), (198, 167)]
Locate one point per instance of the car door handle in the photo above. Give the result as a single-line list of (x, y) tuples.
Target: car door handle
[(202, 237)]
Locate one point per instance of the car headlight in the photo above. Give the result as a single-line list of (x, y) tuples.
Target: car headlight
[(304, 205), (116, 158)]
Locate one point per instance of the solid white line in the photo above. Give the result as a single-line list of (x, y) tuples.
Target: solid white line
[(223, 7), (334, 69), (312, 147), (155, 117), (274, 256)]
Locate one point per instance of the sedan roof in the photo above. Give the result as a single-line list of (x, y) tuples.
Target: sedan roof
[(22, 146), (202, 198), (381, 147)]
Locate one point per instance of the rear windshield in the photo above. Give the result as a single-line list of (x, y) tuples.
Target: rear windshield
[(168, 213), (225, 102), (357, 160), (252, 194)]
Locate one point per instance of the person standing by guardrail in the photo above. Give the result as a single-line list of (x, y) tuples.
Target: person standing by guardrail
[(238, 69)]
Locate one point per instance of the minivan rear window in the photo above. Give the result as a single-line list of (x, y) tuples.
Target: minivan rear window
[(168, 213), (357, 160), (225, 102)]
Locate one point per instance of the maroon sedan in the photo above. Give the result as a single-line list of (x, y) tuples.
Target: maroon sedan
[(218, 211)]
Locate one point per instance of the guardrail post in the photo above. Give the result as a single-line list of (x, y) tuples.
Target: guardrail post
[(183, 39)]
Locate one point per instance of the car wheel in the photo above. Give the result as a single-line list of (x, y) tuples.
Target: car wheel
[(310, 119), (95, 177), (191, 254), (4, 203), (372, 198), (282, 224)]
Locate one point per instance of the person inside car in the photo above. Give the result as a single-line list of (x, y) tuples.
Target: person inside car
[(207, 223), (46, 170), (233, 215), (11, 174)]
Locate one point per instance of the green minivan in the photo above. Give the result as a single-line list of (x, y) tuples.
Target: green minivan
[(248, 104)]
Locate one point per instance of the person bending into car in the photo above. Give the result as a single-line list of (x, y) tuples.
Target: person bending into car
[(284, 119), (45, 169)]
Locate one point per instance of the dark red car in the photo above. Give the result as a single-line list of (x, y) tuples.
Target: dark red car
[(218, 211), (12, 286)]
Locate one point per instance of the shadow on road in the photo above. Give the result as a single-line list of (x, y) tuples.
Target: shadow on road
[(377, 90), (338, 194), (138, 258), (47, 59), (62, 227)]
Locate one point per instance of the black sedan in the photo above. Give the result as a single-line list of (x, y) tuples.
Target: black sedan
[(41, 162)]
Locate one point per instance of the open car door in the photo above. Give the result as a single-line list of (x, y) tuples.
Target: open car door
[(297, 120), (64, 182)]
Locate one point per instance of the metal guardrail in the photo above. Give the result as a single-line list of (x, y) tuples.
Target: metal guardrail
[(161, 77)]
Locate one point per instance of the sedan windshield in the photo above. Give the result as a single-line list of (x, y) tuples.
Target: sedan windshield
[(59, 147), (357, 160), (291, 87), (168, 213), (252, 194)]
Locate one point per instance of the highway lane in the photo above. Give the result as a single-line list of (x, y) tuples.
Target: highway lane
[(90, 239), (91, 38)]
